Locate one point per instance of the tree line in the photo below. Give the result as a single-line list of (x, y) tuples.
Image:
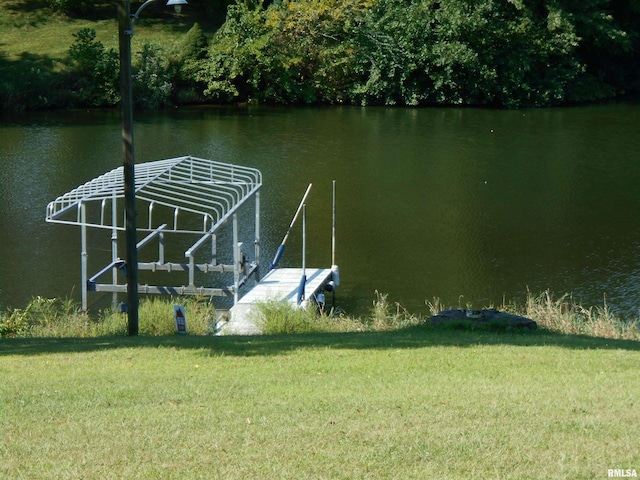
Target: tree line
[(498, 53)]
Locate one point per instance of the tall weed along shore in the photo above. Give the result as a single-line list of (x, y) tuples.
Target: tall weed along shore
[(44, 317)]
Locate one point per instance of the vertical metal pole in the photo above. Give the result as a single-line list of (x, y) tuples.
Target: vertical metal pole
[(333, 226), (114, 248), (214, 249), (161, 248), (257, 236), (335, 272), (304, 238), (192, 270), (303, 281), (236, 260), (126, 106), (84, 254)]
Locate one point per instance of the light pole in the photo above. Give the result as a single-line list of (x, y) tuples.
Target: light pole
[(125, 32)]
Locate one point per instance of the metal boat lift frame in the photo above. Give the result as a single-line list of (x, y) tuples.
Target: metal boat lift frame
[(183, 195)]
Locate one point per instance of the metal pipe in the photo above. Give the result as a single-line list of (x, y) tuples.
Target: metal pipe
[(280, 250), (257, 236), (84, 254), (303, 281), (304, 237), (236, 260), (333, 227), (114, 247)]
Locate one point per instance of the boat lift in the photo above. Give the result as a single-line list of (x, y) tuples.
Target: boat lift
[(176, 196)]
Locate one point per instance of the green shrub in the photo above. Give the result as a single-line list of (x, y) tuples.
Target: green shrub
[(72, 6), (14, 324), (47, 317), (152, 78), (275, 317), (53, 317), (94, 71), (156, 316), (194, 44)]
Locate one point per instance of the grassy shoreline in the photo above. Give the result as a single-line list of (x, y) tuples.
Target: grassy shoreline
[(63, 318), (393, 399)]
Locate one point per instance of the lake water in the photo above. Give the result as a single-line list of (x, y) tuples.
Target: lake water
[(468, 205)]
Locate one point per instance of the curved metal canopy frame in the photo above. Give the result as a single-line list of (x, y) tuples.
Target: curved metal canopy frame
[(182, 195)]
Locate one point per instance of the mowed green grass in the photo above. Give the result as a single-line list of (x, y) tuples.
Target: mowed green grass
[(414, 403), (41, 34)]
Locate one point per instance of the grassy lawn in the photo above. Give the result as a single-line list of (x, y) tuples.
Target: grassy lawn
[(39, 34), (413, 403)]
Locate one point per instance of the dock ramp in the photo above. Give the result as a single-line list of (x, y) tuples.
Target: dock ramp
[(281, 284)]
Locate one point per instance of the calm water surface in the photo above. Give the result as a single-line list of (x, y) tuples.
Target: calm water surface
[(471, 206)]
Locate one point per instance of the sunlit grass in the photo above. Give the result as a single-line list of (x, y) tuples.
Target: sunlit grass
[(383, 396), (57, 318), (564, 315), (47, 35), (411, 403), (276, 317)]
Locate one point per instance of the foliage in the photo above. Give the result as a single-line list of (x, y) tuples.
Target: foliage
[(502, 53), (499, 53), (566, 316), (63, 318), (71, 6), (294, 51), (152, 78), (47, 317), (53, 317), (194, 44), (94, 70), (275, 318), (384, 316), (29, 85), (193, 51), (94, 73), (459, 52), (156, 317), (233, 65)]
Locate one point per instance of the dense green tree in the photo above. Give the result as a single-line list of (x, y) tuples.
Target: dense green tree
[(192, 52), (608, 46), (502, 53), (410, 52), (152, 77), (93, 78)]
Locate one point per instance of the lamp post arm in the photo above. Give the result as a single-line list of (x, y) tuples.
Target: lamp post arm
[(135, 16)]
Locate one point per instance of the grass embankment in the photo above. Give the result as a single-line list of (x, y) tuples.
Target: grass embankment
[(414, 402), (28, 33), (40, 69), (411, 403)]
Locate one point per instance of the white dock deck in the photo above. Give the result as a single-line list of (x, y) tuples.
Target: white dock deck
[(280, 284)]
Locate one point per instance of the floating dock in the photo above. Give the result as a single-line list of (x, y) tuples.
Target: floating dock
[(280, 285)]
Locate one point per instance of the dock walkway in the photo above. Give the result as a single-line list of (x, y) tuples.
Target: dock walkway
[(280, 284)]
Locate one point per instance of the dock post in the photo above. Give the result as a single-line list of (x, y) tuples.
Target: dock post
[(83, 254), (236, 260)]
